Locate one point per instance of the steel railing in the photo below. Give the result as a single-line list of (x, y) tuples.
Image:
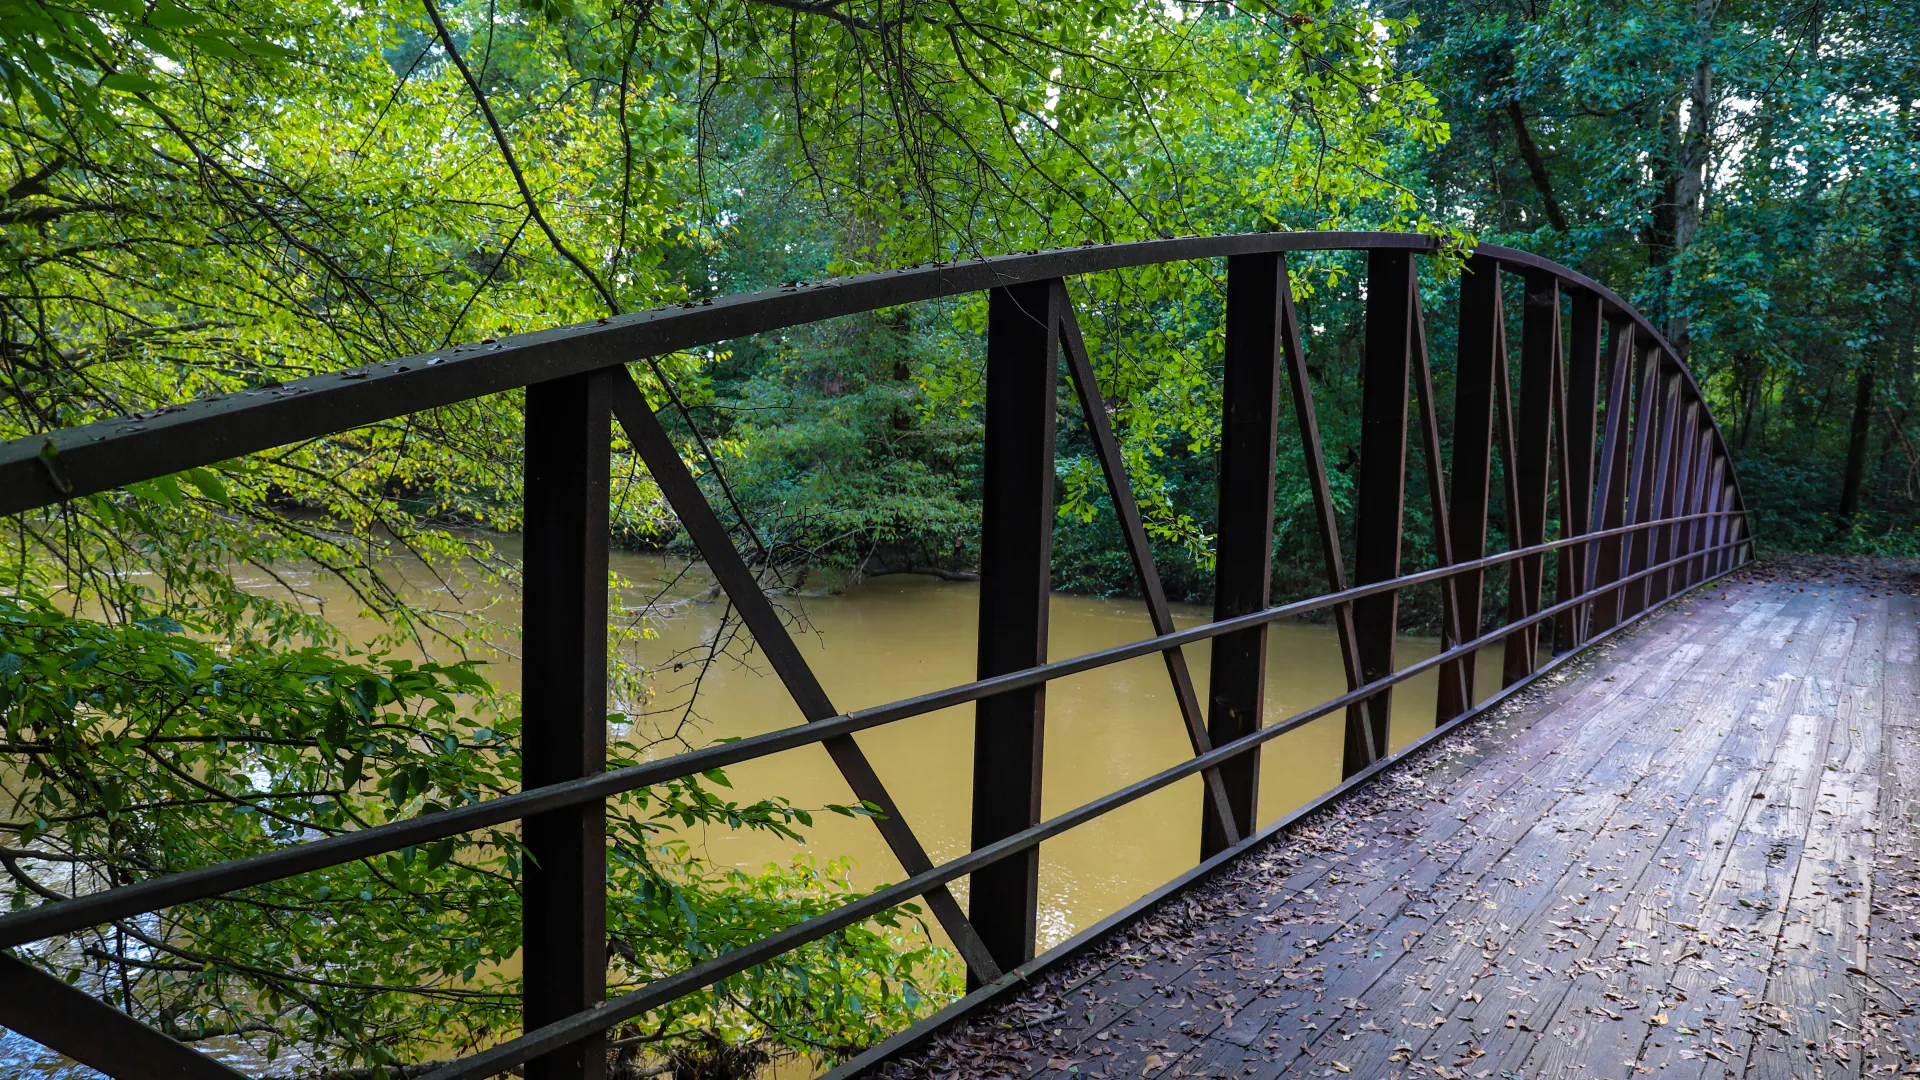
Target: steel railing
[(1610, 428)]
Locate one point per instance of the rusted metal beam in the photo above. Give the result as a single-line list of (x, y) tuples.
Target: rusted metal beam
[(42, 470), (93, 1033), (1016, 562), (1674, 538), (1113, 468), (1482, 336), (1539, 360), (1381, 493), (1605, 559), (704, 528), (1313, 455), (1577, 477), (153, 894), (1640, 475), (1663, 457), (1243, 544), (500, 1057), (1702, 499), (564, 684), (1661, 497), (1452, 625)]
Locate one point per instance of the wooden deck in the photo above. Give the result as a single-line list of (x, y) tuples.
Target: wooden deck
[(1693, 856)]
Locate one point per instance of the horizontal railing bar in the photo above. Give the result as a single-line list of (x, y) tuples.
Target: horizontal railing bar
[(66, 916), (560, 1033), (41, 470)]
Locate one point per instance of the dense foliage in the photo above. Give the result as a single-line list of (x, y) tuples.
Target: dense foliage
[(1747, 174), (206, 198), (209, 197)]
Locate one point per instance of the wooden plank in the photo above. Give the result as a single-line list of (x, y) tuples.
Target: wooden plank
[(1573, 1035), (1364, 1063), (1404, 940), (1126, 991), (1535, 762), (1586, 1010), (1510, 905), (1893, 961), (1825, 931), (1734, 914), (1610, 856)]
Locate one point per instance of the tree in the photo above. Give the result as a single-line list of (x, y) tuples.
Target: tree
[(1749, 170), (206, 199)]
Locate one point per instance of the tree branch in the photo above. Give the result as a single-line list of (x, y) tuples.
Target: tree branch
[(1536, 168), (513, 163)]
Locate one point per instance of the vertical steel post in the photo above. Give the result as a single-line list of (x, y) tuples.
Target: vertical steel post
[(1709, 559), (1680, 501), (1243, 548), (1313, 456), (1539, 356), (1560, 629), (1482, 339), (1016, 562), (1452, 629), (1604, 557), (1727, 523), (1659, 501), (1576, 498), (1640, 478), (564, 686), (1738, 532), (1702, 496), (1381, 497)]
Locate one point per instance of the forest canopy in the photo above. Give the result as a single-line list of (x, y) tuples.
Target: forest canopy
[(207, 197)]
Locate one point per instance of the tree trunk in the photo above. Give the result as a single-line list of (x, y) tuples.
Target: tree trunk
[(1680, 170), (1750, 371), (1497, 173), (1536, 166), (1856, 447)]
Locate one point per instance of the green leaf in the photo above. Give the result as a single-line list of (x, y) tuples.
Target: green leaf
[(123, 83), (174, 17), (210, 485)]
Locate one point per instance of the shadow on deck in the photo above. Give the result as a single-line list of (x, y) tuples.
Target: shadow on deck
[(1691, 855)]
